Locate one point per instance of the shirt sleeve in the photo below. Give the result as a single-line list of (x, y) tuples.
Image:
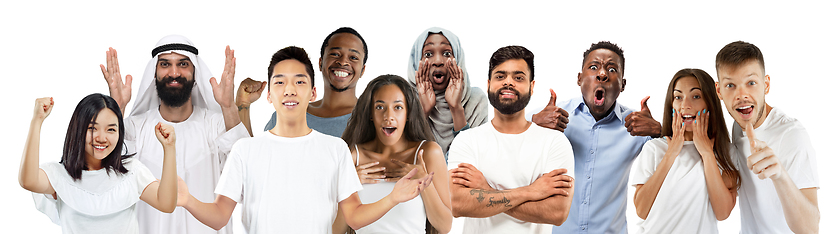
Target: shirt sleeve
[(142, 174), (45, 202), (645, 164), (231, 182), (348, 180), (799, 158), (460, 150), (226, 138), (560, 155)]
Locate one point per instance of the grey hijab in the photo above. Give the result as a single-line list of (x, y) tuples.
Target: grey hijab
[(473, 99)]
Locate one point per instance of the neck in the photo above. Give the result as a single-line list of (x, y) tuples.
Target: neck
[(510, 124), (764, 112), (291, 126), (603, 115), (688, 136), (93, 164), (334, 99), (176, 114)]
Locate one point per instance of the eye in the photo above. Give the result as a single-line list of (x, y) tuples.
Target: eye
[(112, 130), (300, 82), (164, 64), (334, 54), (500, 77), (751, 83), (696, 96), (278, 82), (593, 67), (354, 58), (520, 78), (378, 107), (447, 53), (730, 86), (398, 107), (183, 64), (612, 70), (427, 54)]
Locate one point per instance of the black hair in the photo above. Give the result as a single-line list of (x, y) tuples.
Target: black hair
[(737, 53), (606, 45), (296, 53), (360, 127), (511, 52), (73, 155), (346, 30)]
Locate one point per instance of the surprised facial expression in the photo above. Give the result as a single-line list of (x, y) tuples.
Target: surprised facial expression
[(389, 114), (437, 49), (601, 81)]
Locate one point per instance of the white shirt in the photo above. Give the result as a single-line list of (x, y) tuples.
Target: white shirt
[(101, 202), (510, 161), (761, 209), (682, 204), (200, 150), (289, 185)]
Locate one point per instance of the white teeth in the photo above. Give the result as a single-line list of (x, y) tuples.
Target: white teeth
[(289, 103), (744, 107), (341, 73), (687, 116), (101, 147)]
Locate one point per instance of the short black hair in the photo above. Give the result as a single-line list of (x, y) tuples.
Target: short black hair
[(606, 45), (737, 53), (73, 154), (296, 53), (511, 52), (346, 30)]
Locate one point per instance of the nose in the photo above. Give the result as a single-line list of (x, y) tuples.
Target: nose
[(98, 137), (438, 60), (343, 60), (389, 116), (173, 71), (602, 75), (289, 90), (685, 107), (741, 94)]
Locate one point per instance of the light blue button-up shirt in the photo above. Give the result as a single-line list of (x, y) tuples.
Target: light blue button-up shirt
[(604, 153)]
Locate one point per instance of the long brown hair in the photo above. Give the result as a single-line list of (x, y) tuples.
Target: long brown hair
[(717, 124), (360, 127)]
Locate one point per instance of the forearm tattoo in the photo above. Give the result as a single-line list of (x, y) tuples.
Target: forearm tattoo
[(479, 193), (243, 107)]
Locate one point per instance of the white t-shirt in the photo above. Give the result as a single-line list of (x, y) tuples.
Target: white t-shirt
[(761, 209), (200, 151), (289, 185), (682, 204), (101, 202), (510, 161)]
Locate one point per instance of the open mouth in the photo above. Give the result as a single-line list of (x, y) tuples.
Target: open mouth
[(508, 94), (438, 77), (599, 97), (687, 119), (341, 74), (389, 130), (745, 111), (100, 147)]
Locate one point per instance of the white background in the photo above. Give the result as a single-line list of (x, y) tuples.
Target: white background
[(55, 48)]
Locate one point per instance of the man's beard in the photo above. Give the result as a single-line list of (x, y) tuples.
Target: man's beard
[(338, 89), (508, 108), (174, 97)]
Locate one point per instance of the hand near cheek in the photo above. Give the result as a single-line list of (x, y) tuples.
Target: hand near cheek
[(456, 83), (701, 137), (675, 142), (763, 160), (424, 86)]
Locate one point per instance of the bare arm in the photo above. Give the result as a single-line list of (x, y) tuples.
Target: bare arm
[(473, 197), (163, 194), (436, 198), (215, 215), (552, 210), (31, 177), (358, 215), (453, 94), (646, 193), (721, 188)]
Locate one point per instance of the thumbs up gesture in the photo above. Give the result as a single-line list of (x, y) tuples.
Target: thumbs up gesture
[(551, 116), (763, 160), (641, 123)]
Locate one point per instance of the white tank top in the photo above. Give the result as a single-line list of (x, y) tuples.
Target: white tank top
[(406, 217)]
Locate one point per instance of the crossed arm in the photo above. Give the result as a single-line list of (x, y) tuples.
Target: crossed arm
[(546, 200)]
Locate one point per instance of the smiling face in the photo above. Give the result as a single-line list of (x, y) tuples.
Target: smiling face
[(291, 89), (389, 114), (174, 78), (601, 81), (742, 89), (102, 136), (342, 63), (509, 88), (688, 100), (437, 49)]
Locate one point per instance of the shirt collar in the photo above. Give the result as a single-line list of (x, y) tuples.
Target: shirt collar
[(581, 107)]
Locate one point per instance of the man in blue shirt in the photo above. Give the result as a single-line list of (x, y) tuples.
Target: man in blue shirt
[(605, 136)]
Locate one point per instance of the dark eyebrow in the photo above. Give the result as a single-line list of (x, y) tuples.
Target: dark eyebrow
[(300, 75), (692, 89)]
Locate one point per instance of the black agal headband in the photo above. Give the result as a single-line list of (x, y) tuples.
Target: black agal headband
[(175, 46)]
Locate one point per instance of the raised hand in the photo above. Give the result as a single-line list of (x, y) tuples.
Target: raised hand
[(183, 193), (551, 183), (641, 123), (248, 92), (424, 86), (467, 175), (368, 174), (120, 91), (165, 133), (675, 142), (407, 189), (43, 108), (223, 90), (763, 160), (405, 168), (704, 143), (456, 83), (551, 116)]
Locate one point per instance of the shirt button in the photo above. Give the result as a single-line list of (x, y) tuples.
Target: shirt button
[(591, 151), (582, 228)]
